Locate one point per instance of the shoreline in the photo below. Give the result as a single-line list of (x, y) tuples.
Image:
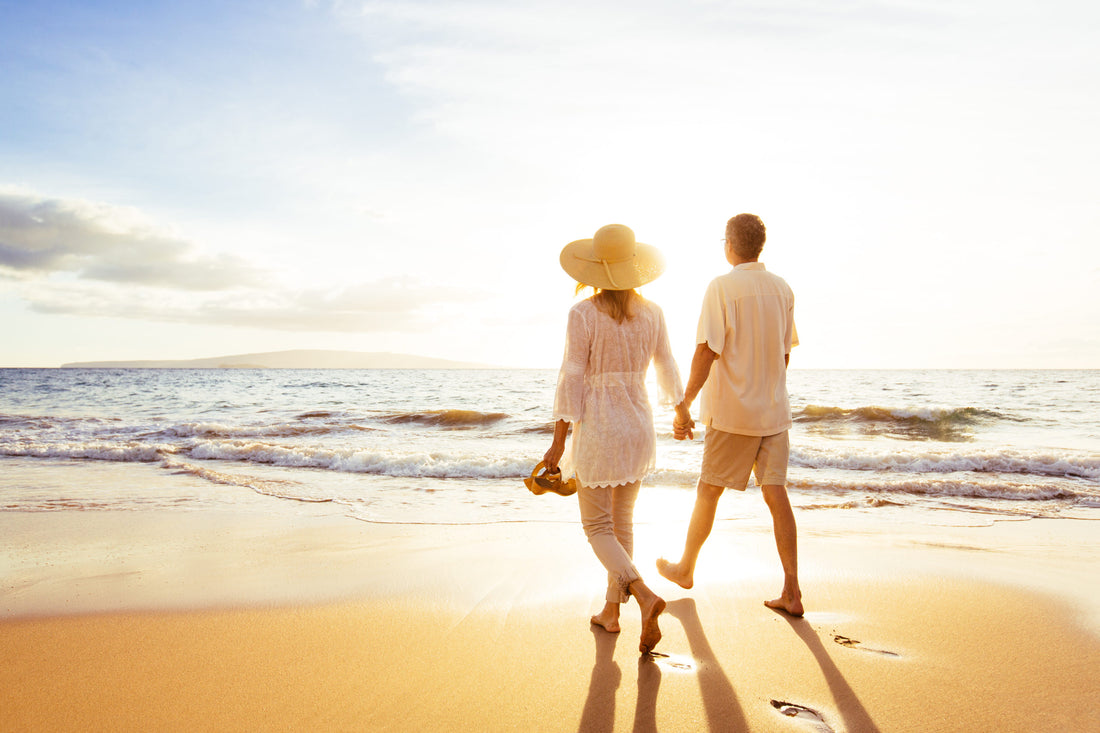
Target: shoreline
[(259, 617), (265, 551)]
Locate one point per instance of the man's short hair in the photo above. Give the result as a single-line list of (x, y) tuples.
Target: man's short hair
[(747, 234)]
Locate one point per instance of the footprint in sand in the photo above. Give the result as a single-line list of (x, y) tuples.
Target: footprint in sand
[(794, 710), (855, 644), (680, 664)]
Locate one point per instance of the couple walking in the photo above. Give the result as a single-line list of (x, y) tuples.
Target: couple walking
[(746, 331)]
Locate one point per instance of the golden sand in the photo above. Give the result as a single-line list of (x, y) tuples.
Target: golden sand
[(485, 628)]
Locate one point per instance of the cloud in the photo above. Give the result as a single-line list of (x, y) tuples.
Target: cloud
[(72, 257), (391, 305), (501, 63), (581, 95), (40, 236)]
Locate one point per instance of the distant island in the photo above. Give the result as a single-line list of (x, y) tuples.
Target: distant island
[(298, 359)]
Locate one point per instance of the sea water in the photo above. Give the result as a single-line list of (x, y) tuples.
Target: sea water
[(452, 446)]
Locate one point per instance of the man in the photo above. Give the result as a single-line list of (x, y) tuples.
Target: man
[(746, 331)]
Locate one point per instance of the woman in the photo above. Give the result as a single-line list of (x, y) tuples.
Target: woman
[(611, 339)]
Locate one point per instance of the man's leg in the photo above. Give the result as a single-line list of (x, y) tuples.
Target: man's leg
[(702, 521), (786, 541)]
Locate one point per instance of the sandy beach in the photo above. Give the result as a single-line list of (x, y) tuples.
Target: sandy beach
[(296, 294), (310, 620)]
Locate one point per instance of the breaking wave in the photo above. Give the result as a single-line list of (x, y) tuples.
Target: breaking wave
[(446, 464), (927, 423), (445, 418), (963, 415), (98, 451), (275, 430)]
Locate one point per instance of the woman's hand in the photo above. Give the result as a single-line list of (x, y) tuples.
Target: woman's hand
[(557, 448), (552, 456)]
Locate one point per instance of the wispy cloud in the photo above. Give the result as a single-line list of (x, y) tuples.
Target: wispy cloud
[(534, 73), (621, 105), (41, 236), (83, 258), (383, 306)]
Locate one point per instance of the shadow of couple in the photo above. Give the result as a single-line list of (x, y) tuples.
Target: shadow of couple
[(720, 703), (722, 708)]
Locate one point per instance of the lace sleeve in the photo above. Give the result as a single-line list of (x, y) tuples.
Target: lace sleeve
[(670, 387), (569, 398)]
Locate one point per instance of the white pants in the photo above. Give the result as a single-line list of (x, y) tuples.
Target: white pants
[(607, 515)]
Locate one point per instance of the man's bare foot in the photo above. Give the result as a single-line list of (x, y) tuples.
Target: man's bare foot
[(672, 571), (607, 622), (651, 632), (793, 606)]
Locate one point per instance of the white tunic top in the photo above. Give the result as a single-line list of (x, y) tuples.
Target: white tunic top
[(601, 390), (748, 320)]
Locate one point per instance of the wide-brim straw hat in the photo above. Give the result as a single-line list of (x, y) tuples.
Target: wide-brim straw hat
[(612, 260)]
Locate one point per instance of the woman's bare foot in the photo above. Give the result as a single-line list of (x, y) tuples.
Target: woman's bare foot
[(608, 618), (672, 571), (651, 632), (793, 606)]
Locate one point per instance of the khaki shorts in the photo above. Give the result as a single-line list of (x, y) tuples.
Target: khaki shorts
[(728, 459)]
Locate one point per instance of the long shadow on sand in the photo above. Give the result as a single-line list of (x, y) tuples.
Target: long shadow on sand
[(719, 700), (599, 708), (649, 682), (598, 712), (847, 702)]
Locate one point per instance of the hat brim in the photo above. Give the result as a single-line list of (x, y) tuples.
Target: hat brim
[(645, 266)]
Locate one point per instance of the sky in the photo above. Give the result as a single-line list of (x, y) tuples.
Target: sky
[(193, 179)]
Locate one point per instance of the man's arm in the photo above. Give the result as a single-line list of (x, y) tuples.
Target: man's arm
[(700, 369)]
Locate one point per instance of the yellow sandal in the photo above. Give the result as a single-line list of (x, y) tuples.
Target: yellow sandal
[(540, 483)]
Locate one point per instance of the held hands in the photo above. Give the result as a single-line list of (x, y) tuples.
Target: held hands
[(683, 431), (682, 424)]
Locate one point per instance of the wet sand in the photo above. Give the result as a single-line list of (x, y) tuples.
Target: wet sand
[(310, 620)]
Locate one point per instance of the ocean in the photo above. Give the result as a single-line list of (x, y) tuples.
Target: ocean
[(452, 446)]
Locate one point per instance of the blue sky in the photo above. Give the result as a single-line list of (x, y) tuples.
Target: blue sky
[(180, 180)]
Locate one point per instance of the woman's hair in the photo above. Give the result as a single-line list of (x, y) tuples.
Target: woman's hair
[(619, 304)]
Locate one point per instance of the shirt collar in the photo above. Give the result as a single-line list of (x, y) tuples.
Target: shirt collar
[(750, 266)]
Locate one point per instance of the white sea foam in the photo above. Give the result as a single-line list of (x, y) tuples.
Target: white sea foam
[(455, 464), (281, 489), (969, 487), (892, 436), (100, 451), (273, 430), (1039, 462), (386, 463)]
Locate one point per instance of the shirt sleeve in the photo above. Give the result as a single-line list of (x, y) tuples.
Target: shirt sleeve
[(712, 320), (670, 388), (569, 397), (791, 337)]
